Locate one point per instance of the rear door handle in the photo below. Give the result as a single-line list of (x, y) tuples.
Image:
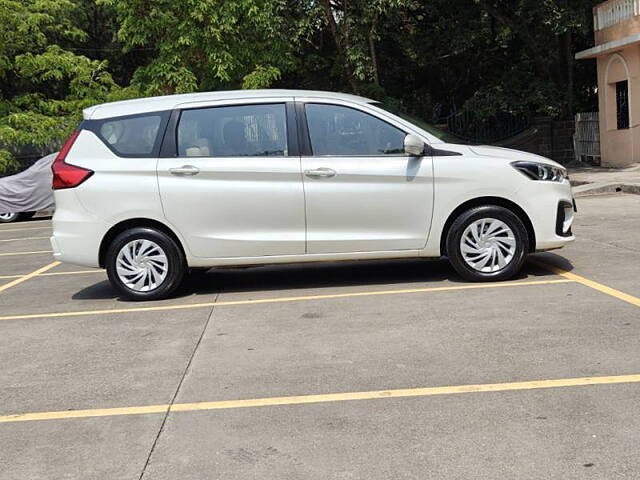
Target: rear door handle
[(320, 173), (185, 170)]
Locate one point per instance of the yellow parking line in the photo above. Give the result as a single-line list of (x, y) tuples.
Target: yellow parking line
[(55, 274), (26, 277), (24, 229), (25, 238), (321, 398), (24, 253), (590, 283), (163, 308)]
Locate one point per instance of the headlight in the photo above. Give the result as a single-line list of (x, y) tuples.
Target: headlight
[(541, 171)]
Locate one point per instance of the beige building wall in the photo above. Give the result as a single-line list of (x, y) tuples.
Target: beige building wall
[(629, 27), (619, 147), (617, 51)]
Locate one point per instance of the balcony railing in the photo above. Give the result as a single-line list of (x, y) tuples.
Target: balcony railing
[(614, 12)]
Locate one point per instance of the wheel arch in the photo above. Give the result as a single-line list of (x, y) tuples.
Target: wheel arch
[(125, 225), (493, 201)]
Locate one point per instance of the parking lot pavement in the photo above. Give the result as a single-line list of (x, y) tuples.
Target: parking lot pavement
[(608, 246), (376, 370), (523, 435), (16, 257)]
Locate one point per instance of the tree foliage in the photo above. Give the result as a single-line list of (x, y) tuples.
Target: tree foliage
[(43, 84), (435, 57), (207, 45)]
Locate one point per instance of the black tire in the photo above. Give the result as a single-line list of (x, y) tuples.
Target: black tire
[(9, 217), (454, 247), (176, 264)]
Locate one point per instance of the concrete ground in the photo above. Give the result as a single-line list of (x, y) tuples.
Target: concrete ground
[(598, 181), (361, 370)]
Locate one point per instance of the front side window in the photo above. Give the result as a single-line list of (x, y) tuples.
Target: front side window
[(343, 131), (235, 131), (132, 136)]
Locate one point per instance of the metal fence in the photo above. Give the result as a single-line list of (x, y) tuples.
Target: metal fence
[(475, 129), (586, 140)]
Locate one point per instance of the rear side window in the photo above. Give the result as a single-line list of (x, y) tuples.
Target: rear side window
[(234, 131), (131, 136)]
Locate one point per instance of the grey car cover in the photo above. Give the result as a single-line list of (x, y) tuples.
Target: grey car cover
[(30, 190)]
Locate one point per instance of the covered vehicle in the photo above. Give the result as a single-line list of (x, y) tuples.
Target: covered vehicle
[(23, 194)]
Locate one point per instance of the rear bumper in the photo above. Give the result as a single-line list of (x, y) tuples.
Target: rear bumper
[(79, 246), (76, 233)]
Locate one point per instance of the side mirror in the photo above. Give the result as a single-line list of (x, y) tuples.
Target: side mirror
[(414, 146)]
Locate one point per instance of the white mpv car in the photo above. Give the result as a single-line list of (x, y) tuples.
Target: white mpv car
[(150, 188)]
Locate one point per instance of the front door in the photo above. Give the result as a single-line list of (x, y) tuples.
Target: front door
[(363, 194), (234, 189)]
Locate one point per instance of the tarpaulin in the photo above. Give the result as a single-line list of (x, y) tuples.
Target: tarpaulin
[(30, 190)]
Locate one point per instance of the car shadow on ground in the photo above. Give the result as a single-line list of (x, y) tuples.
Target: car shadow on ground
[(35, 219), (554, 260), (324, 275)]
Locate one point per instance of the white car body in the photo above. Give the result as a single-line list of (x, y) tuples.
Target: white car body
[(251, 210)]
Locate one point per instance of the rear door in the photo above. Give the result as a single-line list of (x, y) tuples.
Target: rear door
[(231, 181), (123, 153), (363, 193)]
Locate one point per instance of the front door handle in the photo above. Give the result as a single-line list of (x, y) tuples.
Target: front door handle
[(185, 170), (320, 173)]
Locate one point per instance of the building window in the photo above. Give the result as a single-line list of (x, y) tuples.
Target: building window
[(622, 104)]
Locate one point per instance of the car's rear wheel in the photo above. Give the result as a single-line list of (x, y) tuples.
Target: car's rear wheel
[(145, 264), (487, 243), (8, 217)]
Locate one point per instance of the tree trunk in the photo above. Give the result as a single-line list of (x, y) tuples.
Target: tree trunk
[(570, 93), (333, 28), (372, 50)]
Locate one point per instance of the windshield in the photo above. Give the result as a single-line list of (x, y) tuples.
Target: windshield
[(418, 122)]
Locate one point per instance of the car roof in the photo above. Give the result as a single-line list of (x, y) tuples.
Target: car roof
[(170, 102)]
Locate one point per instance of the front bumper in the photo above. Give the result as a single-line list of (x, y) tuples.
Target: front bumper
[(564, 218), (551, 209)]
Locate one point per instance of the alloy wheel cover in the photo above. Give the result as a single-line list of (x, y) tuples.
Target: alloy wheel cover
[(142, 265), (488, 245)]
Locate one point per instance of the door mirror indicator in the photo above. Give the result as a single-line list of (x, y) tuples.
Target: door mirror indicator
[(414, 146)]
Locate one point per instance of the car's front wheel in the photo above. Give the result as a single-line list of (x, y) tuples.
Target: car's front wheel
[(8, 217), (487, 243), (145, 264)]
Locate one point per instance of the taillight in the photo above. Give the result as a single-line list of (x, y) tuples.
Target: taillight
[(65, 175)]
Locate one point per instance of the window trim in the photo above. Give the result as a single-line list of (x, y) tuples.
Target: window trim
[(308, 151), (169, 147), (95, 125), (304, 139)]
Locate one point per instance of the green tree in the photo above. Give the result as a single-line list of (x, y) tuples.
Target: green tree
[(44, 86), (437, 57), (356, 28), (207, 45), (540, 38)]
